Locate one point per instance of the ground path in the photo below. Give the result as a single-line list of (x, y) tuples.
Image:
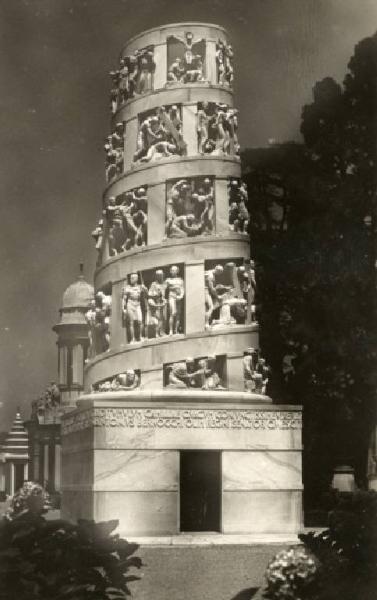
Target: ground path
[(203, 572)]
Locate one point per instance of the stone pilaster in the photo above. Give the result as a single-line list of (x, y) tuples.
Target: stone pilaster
[(194, 300)]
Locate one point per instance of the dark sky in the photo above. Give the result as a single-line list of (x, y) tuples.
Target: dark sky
[(54, 61)]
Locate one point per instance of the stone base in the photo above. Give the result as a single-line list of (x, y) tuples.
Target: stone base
[(121, 460)]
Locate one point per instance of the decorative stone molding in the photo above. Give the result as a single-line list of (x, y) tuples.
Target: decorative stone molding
[(184, 418)]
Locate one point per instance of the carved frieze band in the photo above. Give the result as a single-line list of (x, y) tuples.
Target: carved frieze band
[(173, 418)]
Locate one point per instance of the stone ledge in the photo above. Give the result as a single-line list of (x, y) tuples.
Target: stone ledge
[(214, 539), (172, 243), (168, 88), (170, 339), (161, 28), (172, 160)]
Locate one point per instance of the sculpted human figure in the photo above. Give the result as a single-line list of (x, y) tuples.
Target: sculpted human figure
[(239, 216), (219, 295), (212, 299), (224, 60), (90, 318), (263, 371), (157, 304), (146, 67), (102, 322), (175, 71), (190, 67), (182, 226), (178, 377), (133, 73), (175, 294), (97, 235), (202, 126), (114, 149), (132, 297), (128, 380), (114, 92), (220, 60), (229, 73), (147, 136), (204, 206), (249, 365), (124, 82), (222, 131), (114, 216), (212, 379)]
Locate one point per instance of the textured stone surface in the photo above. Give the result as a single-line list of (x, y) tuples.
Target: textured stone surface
[(261, 512), (136, 470), (139, 513), (261, 470)]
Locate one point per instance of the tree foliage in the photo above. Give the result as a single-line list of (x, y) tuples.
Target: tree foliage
[(313, 235), (58, 560)]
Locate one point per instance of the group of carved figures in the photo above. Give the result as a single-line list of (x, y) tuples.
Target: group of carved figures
[(47, 402), (156, 310), (114, 150), (217, 126), (127, 220), (129, 380), (190, 208), (224, 62), (200, 374), (160, 134), (190, 211), (134, 76), (229, 294), (239, 216), (98, 320), (188, 64), (255, 372)]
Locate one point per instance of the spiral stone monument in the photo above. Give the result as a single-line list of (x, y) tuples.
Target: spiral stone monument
[(175, 432)]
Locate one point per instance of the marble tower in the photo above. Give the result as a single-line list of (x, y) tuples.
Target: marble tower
[(175, 431)]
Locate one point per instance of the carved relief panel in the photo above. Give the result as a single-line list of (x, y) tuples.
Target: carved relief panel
[(153, 303), (217, 126), (239, 216), (127, 219), (160, 134), (255, 372), (224, 63), (186, 58), (229, 293), (190, 207), (133, 77), (203, 373), (129, 380), (98, 318), (114, 151)]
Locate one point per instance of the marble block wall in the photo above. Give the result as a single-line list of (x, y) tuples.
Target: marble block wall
[(122, 461)]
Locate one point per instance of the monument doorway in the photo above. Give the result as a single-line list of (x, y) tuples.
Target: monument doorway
[(200, 490)]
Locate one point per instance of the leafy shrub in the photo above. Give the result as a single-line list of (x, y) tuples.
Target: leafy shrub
[(347, 550), (352, 533), (58, 560), (291, 575), (30, 497)]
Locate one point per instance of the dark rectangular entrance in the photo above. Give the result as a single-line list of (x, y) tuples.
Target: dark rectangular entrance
[(200, 490)]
